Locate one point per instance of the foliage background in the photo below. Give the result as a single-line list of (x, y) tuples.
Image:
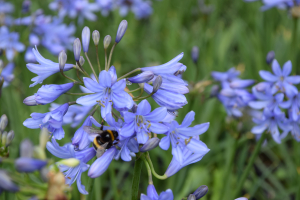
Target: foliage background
[(236, 34)]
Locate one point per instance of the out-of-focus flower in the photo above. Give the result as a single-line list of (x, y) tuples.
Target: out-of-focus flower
[(107, 92), (7, 74), (152, 194), (105, 6), (201, 191), (140, 8), (9, 41), (47, 94), (24, 164), (51, 120), (6, 7), (80, 139), (44, 69), (72, 173), (281, 4), (6, 182)]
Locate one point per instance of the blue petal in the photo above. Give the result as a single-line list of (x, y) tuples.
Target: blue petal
[(89, 100), (188, 119), (268, 76), (105, 79), (158, 128), (127, 130), (143, 108), (197, 146), (177, 153), (151, 192), (241, 83), (59, 133), (276, 68), (32, 123), (193, 131), (156, 115), (287, 68), (113, 74), (167, 195), (165, 143), (92, 85)]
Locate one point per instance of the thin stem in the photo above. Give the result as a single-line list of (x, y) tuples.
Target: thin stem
[(62, 72), (141, 93), (72, 103), (148, 170), (98, 62), (136, 177), (131, 91), (94, 110), (129, 73), (91, 66), (152, 168), (78, 94), (110, 55), (105, 59), (250, 164), (77, 73), (90, 186), (145, 97), (83, 71)]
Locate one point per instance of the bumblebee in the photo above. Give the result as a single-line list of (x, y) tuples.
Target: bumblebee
[(104, 139)]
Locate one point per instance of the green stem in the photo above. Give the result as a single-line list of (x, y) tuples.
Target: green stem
[(129, 73), (98, 62), (145, 97), (110, 55), (91, 66), (90, 188), (250, 164), (105, 59), (136, 177), (152, 168), (82, 70), (148, 170), (62, 72), (78, 76), (113, 181), (131, 91)]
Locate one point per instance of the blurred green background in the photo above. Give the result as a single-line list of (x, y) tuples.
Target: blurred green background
[(233, 34)]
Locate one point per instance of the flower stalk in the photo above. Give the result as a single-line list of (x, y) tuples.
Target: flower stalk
[(136, 177)]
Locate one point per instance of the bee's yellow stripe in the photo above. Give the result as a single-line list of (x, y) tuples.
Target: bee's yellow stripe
[(111, 135), (96, 143)]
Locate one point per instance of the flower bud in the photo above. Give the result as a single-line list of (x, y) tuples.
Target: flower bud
[(39, 153), (150, 144), (96, 37), (201, 191), (3, 122), (195, 54), (106, 41), (85, 36), (270, 57), (70, 162), (6, 182), (26, 6), (26, 148), (191, 197), (4, 138), (30, 101), (142, 78), (10, 137), (29, 164), (77, 49), (121, 30), (214, 90), (156, 84), (134, 108), (81, 60), (44, 137), (62, 59)]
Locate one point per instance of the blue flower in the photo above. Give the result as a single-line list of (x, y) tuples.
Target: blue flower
[(152, 194), (228, 76), (7, 74), (74, 115), (270, 121), (143, 122), (105, 6), (277, 3), (52, 121), (6, 7), (72, 173), (188, 157), (184, 137), (107, 92), (142, 78), (24, 164), (6, 183), (44, 69), (141, 8), (47, 94), (267, 100), (280, 80), (10, 43), (80, 139)]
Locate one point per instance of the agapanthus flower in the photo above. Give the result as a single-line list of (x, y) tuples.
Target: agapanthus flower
[(152, 194), (51, 120), (141, 8), (24, 164), (105, 6), (75, 8), (6, 7), (233, 94), (44, 69), (7, 74), (182, 136), (6, 183), (282, 4), (80, 139), (47, 94), (9, 41), (72, 173), (107, 92), (143, 121)]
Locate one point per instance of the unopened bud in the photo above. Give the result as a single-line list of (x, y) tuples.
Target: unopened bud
[(270, 57), (29, 164), (106, 41), (142, 78), (10, 137), (44, 137), (3, 122), (81, 60), (30, 101), (150, 144), (85, 36), (201, 191), (214, 90), (191, 197), (157, 83), (39, 153), (195, 54), (4, 138), (134, 108), (26, 148), (70, 162), (121, 30), (26, 6), (96, 37), (77, 49), (62, 59)]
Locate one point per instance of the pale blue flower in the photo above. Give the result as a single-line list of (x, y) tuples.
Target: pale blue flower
[(152, 194), (27, 165), (7, 74)]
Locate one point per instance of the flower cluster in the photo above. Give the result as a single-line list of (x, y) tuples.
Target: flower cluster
[(132, 127), (276, 97), (233, 94), (281, 4)]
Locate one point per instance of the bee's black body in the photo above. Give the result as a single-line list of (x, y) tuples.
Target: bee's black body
[(107, 136)]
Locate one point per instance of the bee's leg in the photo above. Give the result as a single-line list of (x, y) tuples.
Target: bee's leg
[(102, 123)]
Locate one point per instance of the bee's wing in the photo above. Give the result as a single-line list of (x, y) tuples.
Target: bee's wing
[(92, 131), (101, 150)]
